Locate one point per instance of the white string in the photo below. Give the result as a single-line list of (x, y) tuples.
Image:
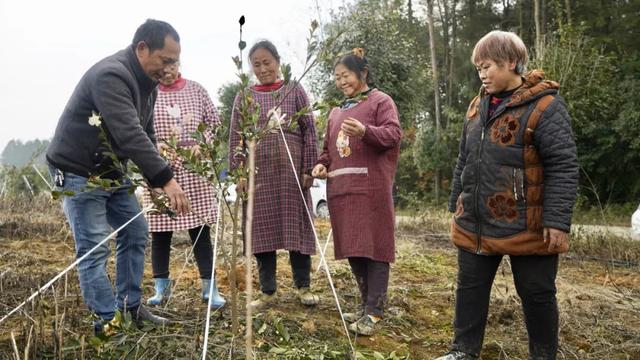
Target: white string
[(42, 177), (324, 251), (55, 278), (213, 269), (323, 260)]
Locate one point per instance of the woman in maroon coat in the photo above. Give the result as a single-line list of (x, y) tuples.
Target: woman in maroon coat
[(359, 158)]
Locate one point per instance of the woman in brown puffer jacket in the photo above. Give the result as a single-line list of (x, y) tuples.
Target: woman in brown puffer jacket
[(514, 187)]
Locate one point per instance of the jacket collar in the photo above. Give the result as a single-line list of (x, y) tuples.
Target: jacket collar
[(533, 86), (145, 82)]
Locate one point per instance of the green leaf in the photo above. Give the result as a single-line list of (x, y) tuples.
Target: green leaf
[(277, 350), (285, 333), (242, 44), (378, 356), (55, 195), (285, 69)]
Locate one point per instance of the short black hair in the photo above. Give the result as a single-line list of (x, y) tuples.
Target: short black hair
[(153, 32), (357, 64), (267, 45)]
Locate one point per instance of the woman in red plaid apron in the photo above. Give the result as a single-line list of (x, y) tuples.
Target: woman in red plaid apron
[(280, 219), (180, 107)]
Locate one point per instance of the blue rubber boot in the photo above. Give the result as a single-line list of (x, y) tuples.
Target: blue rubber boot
[(163, 291), (217, 301)]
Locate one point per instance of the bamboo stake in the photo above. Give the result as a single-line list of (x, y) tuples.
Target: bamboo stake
[(15, 347), (249, 249), (235, 326)]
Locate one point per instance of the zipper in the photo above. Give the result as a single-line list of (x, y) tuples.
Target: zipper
[(485, 124), (479, 234), (515, 184)]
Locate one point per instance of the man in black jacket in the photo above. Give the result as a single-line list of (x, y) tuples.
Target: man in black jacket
[(117, 96)]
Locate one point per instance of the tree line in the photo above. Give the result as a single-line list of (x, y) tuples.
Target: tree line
[(419, 52)]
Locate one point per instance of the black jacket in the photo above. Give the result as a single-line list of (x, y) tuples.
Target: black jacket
[(506, 190), (118, 89)]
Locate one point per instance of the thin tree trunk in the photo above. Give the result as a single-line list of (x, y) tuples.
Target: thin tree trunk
[(436, 92), (536, 14), (543, 20), (567, 5), (233, 273), (410, 12), (443, 11), (520, 19), (452, 58), (559, 17), (249, 249)]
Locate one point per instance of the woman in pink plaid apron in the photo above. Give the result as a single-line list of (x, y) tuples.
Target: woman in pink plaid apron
[(280, 219), (359, 158), (180, 107)]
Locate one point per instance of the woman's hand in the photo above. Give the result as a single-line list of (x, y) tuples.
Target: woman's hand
[(319, 171), (555, 238), (353, 127)]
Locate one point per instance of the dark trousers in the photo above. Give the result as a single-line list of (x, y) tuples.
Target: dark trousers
[(373, 279), (534, 277), (300, 267), (161, 250)]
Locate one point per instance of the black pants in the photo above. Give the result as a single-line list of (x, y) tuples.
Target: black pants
[(161, 250), (373, 279), (534, 277), (300, 267)]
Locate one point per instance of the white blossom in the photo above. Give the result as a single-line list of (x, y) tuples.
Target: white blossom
[(95, 119)]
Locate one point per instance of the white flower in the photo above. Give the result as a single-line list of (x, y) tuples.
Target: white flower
[(173, 111), (95, 119)]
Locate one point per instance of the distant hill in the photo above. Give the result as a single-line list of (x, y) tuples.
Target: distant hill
[(19, 153)]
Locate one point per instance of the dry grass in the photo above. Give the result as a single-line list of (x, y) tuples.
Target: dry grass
[(599, 304)]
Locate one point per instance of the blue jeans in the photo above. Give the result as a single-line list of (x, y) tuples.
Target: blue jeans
[(93, 215)]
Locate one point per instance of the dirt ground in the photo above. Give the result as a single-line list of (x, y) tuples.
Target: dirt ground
[(599, 306)]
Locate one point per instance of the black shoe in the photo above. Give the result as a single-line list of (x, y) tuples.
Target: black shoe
[(142, 314), (457, 355)]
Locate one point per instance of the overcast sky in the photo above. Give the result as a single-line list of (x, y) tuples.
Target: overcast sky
[(48, 45)]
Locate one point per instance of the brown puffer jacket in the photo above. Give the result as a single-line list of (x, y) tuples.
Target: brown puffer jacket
[(517, 172)]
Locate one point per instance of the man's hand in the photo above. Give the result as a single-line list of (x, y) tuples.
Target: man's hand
[(353, 127), (555, 238), (177, 197), (307, 181), (319, 171)]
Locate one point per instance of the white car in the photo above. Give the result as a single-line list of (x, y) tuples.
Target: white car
[(231, 194), (318, 197), (635, 224)]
